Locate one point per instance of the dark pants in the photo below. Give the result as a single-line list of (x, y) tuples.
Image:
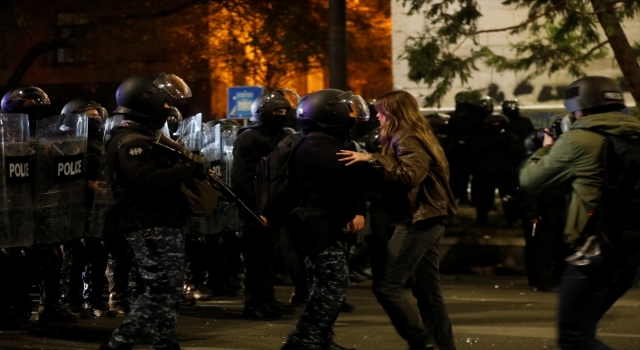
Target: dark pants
[(484, 187), (586, 293), (46, 266), (382, 228), (160, 255), (14, 294), (413, 252), (544, 254), (84, 261), (328, 285), (259, 247), (120, 262)]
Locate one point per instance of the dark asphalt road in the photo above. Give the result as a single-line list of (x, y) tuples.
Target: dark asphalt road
[(488, 312)]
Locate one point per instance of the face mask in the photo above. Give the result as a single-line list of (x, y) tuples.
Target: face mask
[(158, 122), (94, 127)]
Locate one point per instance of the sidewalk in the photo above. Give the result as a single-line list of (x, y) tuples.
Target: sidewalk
[(492, 249)]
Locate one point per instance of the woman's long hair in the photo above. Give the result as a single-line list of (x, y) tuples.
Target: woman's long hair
[(402, 113)]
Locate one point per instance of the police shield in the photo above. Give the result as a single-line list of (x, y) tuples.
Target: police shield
[(218, 153), (61, 147), (227, 215), (191, 133), (228, 134), (16, 220), (102, 194)]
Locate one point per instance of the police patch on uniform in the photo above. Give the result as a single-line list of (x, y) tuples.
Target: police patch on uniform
[(135, 151)]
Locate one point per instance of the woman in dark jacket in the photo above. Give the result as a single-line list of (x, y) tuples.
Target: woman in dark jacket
[(414, 164)]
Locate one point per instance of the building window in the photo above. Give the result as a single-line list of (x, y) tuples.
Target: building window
[(69, 27)]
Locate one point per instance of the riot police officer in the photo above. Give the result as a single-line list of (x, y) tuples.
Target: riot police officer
[(463, 127), (495, 155), (329, 206), (259, 244), (150, 209), (21, 108), (85, 258), (518, 125)]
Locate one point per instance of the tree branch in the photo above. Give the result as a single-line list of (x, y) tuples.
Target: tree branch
[(520, 25), (592, 50)]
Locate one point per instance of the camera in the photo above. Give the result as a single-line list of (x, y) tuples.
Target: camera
[(558, 126), (554, 131)]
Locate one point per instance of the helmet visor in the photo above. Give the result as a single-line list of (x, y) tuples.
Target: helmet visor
[(290, 95), (356, 106), (173, 85)]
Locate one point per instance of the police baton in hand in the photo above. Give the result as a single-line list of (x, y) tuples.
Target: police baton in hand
[(219, 185), (215, 181)]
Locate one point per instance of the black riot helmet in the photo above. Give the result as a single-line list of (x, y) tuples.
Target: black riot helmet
[(79, 106), (142, 98), (332, 108), (371, 141), (30, 100), (593, 92), (487, 103), (496, 122), (263, 106), (95, 113), (511, 108)]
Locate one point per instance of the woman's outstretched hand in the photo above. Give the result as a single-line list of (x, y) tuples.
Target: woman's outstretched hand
[(353, 157)]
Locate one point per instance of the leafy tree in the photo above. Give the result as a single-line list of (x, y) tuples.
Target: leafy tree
[(556, 35), (236, 42)]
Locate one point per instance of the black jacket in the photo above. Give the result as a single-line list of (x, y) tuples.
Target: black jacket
[(252, 143), (326, 183), (145, 179)]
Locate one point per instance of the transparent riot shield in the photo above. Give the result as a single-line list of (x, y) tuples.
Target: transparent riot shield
[(191, 133), (230, 217), (60, 178), (211, 153), (102, 195), (228, 134), (16, 211)]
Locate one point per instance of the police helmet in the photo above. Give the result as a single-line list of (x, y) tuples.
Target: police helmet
[(145, 96), (496, 121), (331, 108), (263, 106), (510, 107), (370, 142), (80, 106), (487, 103), (593, 91), (30, 100)]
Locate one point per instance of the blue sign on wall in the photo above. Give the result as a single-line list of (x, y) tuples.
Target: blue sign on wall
[(239, 99)]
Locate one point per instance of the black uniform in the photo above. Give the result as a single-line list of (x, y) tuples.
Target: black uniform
[(330, 200), (259, 244), (495, 155), (150, 212)]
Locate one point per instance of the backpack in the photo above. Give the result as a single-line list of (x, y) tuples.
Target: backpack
[(617, 215), (275, 182)]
